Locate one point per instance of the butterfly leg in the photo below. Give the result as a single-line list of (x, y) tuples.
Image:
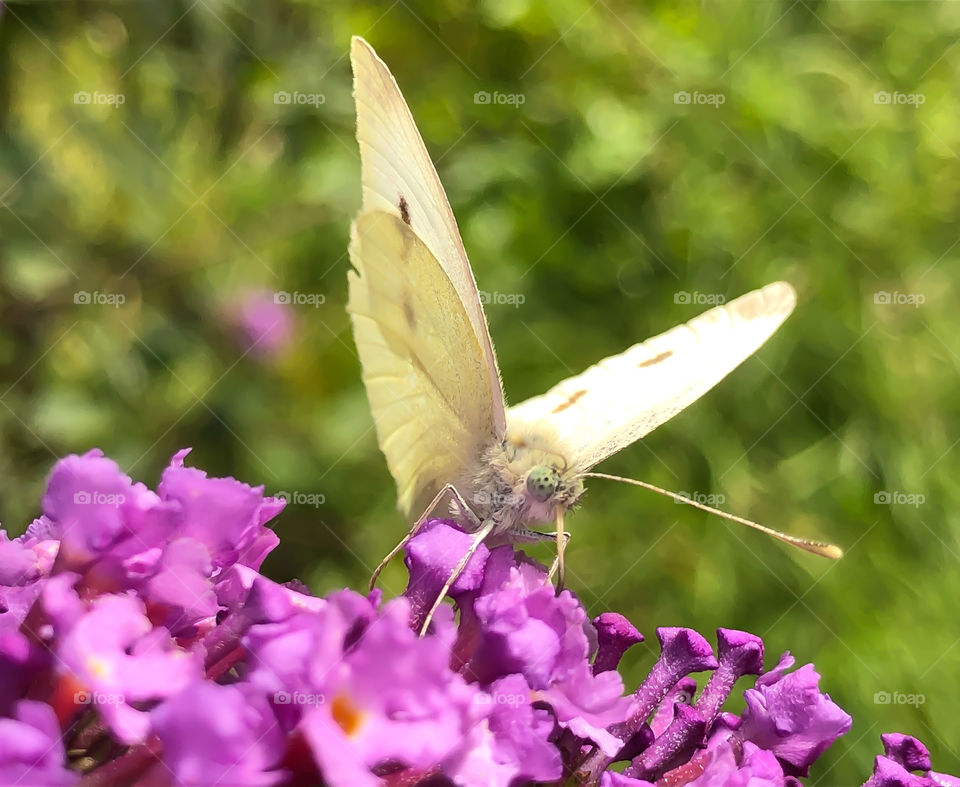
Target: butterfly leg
[(464, 507), (478, 537), (416, 526)]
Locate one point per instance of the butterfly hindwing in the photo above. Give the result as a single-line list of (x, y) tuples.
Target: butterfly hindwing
[(423, 368)]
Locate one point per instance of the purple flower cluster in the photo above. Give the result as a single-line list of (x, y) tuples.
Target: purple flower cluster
[(139, 644), (516, 632)]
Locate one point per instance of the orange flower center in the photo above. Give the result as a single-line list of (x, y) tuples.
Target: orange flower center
[(345, 714)]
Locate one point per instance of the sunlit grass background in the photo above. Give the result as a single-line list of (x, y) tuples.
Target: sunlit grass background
[(602, 198)]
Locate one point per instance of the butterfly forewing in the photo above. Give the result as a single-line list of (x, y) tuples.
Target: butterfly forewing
[(399, 178), (626, 396)]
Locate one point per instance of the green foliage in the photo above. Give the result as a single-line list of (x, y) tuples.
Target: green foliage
[(600, 198)]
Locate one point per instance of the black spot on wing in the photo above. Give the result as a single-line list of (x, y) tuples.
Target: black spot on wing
[(409, 314), (656, 359), (404, 210)]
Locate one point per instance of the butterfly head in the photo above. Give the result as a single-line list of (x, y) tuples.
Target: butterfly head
[(547, 487), (542, 482)]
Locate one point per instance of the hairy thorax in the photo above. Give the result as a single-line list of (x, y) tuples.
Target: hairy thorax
[(503, 482)]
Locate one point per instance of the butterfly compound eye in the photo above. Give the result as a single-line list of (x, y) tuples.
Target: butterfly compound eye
[(542, 482)]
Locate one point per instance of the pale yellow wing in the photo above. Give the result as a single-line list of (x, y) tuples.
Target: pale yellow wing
[(424, 370), (399, 178), (627, 396)]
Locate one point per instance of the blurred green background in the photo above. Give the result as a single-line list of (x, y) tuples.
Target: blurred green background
[(819, 145)]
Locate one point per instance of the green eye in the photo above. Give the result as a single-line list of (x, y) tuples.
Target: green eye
[(542, 482)]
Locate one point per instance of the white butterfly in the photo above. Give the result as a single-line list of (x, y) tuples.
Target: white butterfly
[(431, 373)]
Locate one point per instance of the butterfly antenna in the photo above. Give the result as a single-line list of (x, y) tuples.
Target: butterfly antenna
[(816, 547)]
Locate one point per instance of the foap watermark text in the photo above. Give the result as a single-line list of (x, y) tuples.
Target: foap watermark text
[(314, 299), (502, 698), (114, 299), (515, 299), (298, 698), (699, 298), (85, 697), (485, 498), (496, 97), (297, 498), (96, 98), (95, 498), (715, 100), (896, 97), (884, 298), (897, 498), (898, 698), (298, 98), (704, 499)]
